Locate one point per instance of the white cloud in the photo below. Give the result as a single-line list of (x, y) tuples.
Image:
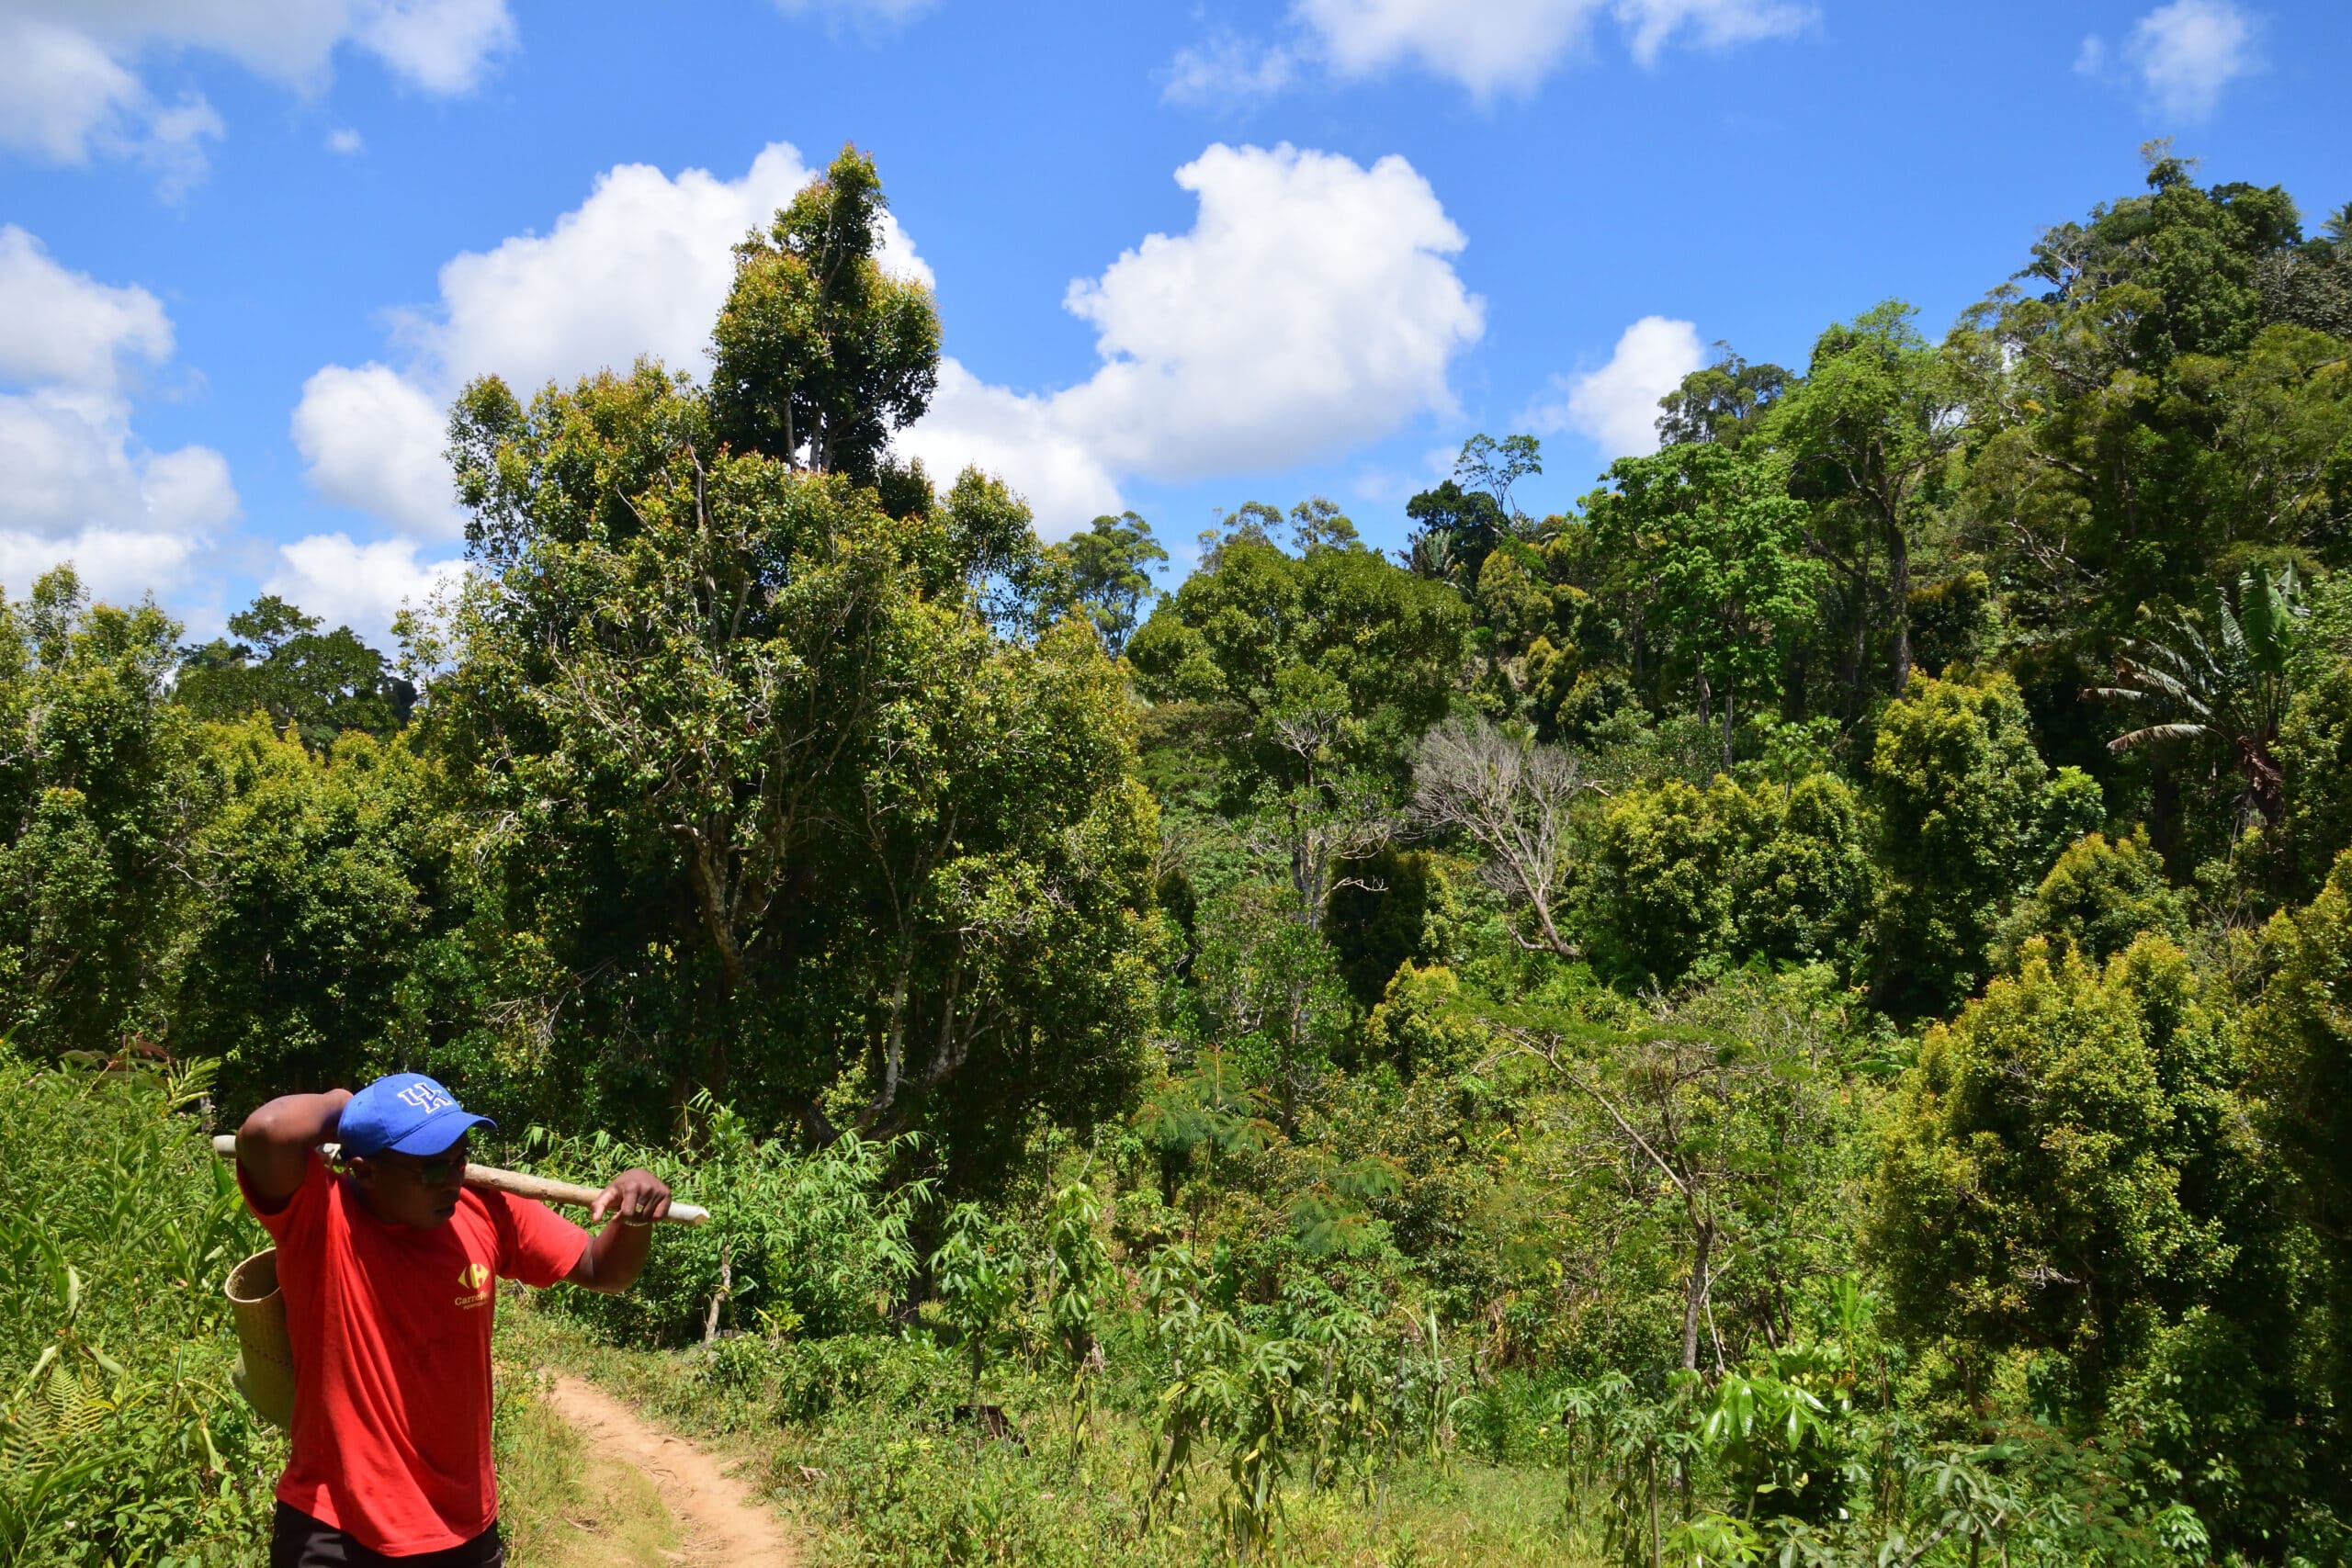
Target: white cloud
[(1616, 406), (69, 86), (442, 46), (1509, 46), (1312, 307), (347, 141), (81, 485), (2185, 53), (2091, 59), (888, 13), (356, 585), (62, 97), (372, 441), (61, 326), (1022, 438), (1650, 24), (641, 268), (1228, 70)]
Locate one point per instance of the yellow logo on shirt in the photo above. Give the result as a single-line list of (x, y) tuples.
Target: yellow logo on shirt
[(475, 1277)]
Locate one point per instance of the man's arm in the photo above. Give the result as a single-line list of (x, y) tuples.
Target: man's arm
[(273, 1145), (615, 1254)]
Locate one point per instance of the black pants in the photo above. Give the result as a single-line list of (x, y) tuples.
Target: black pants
[(298, 1540)]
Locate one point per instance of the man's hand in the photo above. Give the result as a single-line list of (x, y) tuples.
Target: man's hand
[(639, 1197), (615, 1254)]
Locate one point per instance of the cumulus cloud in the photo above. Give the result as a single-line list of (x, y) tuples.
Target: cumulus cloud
[(82, 486), (1312, 307), (1021, 437), (361, 586), (2187, 52), (372, 440), (66, 327), (69, 86), (638, 268), (1498, 46), (1615, 407)]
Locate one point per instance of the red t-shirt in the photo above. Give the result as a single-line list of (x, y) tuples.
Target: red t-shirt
[(391, 1328)]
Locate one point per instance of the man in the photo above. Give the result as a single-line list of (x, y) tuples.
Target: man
[(390, 1273)]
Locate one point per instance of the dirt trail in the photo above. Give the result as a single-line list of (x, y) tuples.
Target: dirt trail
[(723, 1526)]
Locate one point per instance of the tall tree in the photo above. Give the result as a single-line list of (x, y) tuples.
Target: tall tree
[(1256, 620), (782, 810), (1968, 817), (1723, 402), (1720, 547), (1870, 434), (820, 353), (1110, 567), (1461, 519), (282, 664), (99, 802)]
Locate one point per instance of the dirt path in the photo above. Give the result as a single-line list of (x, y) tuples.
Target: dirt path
[(723, 1525)]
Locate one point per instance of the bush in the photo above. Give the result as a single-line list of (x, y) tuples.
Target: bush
[(1684, 878), (2099, 896), (123, 1442), (810, 1244)]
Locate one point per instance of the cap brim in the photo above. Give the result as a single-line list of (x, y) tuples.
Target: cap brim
[(440, 1130)]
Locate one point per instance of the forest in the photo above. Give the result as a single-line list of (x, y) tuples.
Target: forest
[(1797, 1012)]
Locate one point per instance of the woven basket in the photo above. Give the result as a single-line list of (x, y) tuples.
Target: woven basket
[(265, 1372)]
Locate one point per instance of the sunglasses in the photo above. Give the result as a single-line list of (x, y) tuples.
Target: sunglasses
[(441, 1167), (436, 1170)]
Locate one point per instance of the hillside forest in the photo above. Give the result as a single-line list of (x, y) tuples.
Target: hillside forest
[(1798, 1011)]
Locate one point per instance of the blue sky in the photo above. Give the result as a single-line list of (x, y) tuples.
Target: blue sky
[(248, 247)]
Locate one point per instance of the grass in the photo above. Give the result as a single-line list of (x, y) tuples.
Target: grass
[(887, 1475), (556, 1509)]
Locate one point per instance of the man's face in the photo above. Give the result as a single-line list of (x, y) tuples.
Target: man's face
[(412, 1190)]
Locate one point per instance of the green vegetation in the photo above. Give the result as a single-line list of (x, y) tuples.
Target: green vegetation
[(1794, 1014)]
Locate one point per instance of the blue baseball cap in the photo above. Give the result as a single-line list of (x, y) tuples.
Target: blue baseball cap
[(407, 1113)]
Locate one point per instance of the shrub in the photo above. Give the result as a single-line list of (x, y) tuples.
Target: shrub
[(122, 1441), (2099, 896)]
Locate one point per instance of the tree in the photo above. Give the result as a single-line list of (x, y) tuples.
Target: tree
[(1968, 816), (2228, 686), (1870, 434), (1110, 568), (1721, 1110), (99, 801), (1720, 547), (1512, 798), (1681, 877), (1722, 403), (819, 353), (2300, 1042), (1255, 627), (2064, 1172), (281, 664), (1463, 518), (2101, 896), (777, 803), (330, 943)]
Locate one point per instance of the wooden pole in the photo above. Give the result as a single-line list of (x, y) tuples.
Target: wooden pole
[(510, 1182)]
